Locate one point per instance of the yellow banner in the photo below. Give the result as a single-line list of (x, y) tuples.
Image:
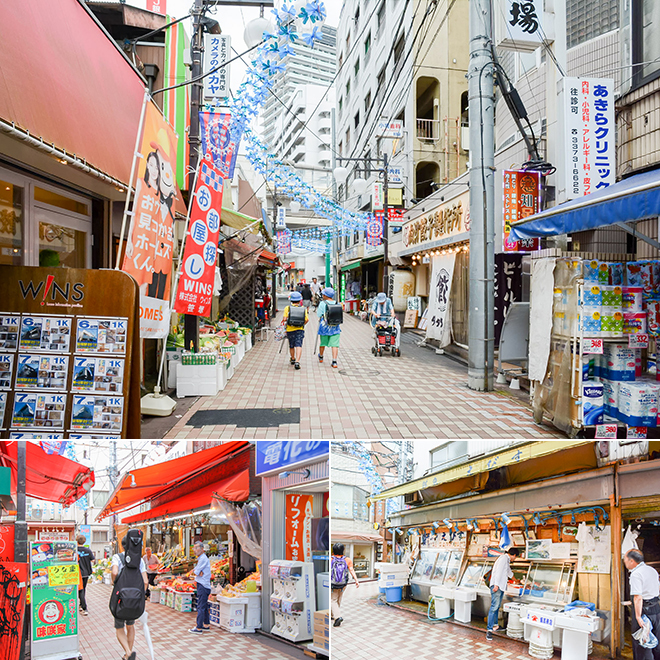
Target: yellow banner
[(60, 576)]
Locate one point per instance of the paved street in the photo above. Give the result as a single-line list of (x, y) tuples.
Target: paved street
[(170, 636), (419, 395)]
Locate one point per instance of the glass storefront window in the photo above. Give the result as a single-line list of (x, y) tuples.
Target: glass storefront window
[(55, 199), (61, 246), (11, 224)]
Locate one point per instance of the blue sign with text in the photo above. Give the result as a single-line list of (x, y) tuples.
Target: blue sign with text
[(275, 455)]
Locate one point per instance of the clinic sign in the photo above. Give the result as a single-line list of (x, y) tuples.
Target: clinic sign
[(589, 134), (444, 221), (285, 455)]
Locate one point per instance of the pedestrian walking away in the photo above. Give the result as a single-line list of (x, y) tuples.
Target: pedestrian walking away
[(294, 319), (645, 616), (316, 292), (307, 296), (125, 628), (330, 318), (203, 579), (85, 560), (152, 563), (498, 580), (340, 568)]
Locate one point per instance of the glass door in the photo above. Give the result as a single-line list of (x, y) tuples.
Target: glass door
[(64, 241), (12, 209)]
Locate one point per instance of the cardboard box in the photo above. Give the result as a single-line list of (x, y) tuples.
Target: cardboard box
[(322, 617)]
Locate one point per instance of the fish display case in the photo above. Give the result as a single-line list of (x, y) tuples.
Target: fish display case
[(435, 567)]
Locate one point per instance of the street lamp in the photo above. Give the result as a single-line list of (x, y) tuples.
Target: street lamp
[(294, 206), (341, 174), (360, 186), (254, 30)]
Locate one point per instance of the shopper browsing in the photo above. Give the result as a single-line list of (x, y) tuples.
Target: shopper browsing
[(498, 581), (645, 592), (340, 567), (203, 578), (330, 319), (85, 560), (295, 317)]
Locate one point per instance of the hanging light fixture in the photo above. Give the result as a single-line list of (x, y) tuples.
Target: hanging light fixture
[(505, 519), (360, 186), (448, 523), (294, 206), (254, 31), (341, 174)]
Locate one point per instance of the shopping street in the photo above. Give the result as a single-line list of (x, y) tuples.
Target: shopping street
[(418, 395)]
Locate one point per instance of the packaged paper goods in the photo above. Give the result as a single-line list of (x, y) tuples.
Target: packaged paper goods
[(619, 362), (592, 402), (638, 403)]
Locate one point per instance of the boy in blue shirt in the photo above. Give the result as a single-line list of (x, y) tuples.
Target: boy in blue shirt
[(329, 334)]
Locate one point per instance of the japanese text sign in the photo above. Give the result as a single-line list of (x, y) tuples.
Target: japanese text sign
[(12, 606), (639, 340), (280, 221), (374, 234), (589, 135), (195, 290), (591, 345), (377, 196), (389, 129), (59, 576), (606, 431), (158, 6), (276, 455), (299, 516), (217, 50), (522, 198), (220, 141), (520, 24)]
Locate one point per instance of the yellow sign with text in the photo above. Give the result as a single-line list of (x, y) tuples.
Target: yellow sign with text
[(60, 576)]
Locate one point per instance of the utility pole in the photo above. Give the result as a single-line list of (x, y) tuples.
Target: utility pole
[(20, 532), (386, 225), (335, 239), (482, 190)]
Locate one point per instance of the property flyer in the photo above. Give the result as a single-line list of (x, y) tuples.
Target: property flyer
[(94, 374), (90, 436), (97, 413), (34, 409), (6, 368), (36, 436), (3, 404), (46, 372), (9, 326), (45, 333), (101, 335)]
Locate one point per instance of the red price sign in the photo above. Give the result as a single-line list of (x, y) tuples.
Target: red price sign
[(606, 431), (591, 345), (637, 433), (639, 340)]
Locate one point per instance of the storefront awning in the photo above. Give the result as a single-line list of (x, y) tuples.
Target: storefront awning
[(356, 537), (630, 200), (520, 459), (355, 264), (235, 488), (147, 483), (267, 258), (49, 477), (237, 220)]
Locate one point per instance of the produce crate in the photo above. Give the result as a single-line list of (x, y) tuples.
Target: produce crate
[(182, 601), (155, 595), (170, 599), (163, 596)]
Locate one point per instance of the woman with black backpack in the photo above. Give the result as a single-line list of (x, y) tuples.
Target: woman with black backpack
[(340, 568)]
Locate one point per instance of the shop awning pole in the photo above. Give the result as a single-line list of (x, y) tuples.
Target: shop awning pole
[(616, 613), (20, 529)]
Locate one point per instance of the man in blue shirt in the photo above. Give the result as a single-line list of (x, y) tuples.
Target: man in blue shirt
[(203, 578)]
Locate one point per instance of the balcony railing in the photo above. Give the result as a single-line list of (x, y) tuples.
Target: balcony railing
[(428, 130)]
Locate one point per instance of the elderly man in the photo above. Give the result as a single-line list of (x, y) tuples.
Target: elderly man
[(203, 578), (645, 590)]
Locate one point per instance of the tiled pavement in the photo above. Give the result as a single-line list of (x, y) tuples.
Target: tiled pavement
[(170, 636), (419, 395)]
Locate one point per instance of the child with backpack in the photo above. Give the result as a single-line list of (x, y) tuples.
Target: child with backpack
[(330, 319), (340, 568), (295, 317)]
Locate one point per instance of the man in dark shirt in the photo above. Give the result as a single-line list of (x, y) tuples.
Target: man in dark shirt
[(85, 559), (307, 296)]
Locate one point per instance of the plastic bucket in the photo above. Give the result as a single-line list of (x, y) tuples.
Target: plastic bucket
[(393, 594), (382, 590)]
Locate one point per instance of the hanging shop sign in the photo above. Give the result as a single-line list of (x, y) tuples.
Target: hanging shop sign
[(447, 220), (217, 50), (299, 516), (395, 174), (395, 216), (195, 289), (157, 6), (395, 196), (284, 243), (519, 24), (439, 318), (377, 196), (148, 256), (374, 233), (389, 129), (50, 535), (220, 140), (54, 580), (76, 332), (277, 455), (280, 220), (522, 198), (588, 134), (508, 287)]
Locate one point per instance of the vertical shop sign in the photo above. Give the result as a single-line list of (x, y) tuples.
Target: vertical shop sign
[(589, 134), (54, 578), (283, 241), (150, 244), (374, 235), (195, 289), (216, 52), (220, 141), (439, 325), (522, 198), (508, 287), (377, 196), (13, 590), (157, 6), (299, 527)]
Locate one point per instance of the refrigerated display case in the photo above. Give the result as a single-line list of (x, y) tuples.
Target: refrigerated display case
[(361, 567), (435, 567)]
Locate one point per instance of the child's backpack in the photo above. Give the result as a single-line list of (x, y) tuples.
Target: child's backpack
[(334, 314), (339, 573), (127, 600), (296, 317)]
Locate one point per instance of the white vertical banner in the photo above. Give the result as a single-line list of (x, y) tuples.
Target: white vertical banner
[(377, 196), (280, 221), (587, 106), (217, 50), (439, 316)]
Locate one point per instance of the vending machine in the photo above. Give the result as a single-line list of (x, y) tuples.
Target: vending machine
[(293, 599)]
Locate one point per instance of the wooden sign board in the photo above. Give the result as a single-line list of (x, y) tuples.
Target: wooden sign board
[(69, 353), (410, 320)]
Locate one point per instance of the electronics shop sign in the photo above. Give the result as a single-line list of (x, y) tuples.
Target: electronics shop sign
[(444, 221), (280, 455)]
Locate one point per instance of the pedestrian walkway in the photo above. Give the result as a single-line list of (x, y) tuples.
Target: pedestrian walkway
[(170, 636), (418, 395)]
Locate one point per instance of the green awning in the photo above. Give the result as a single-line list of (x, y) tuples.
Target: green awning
[(355, 264)]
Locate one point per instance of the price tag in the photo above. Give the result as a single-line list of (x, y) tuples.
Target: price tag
[(636, 433), (639, 340), (606, 431), (592, 345), (60, 576)]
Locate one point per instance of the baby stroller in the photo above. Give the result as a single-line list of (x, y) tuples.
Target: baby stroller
[(387, 337)]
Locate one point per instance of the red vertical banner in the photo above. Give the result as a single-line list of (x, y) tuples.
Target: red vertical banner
[(195, 290), (6, 543), (299, 527), (522, 198), (158, 6), (13, 589)]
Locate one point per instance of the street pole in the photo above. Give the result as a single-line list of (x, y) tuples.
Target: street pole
[(386, 227), (482, 190), (191, 323), (335, 248), (20, 527)]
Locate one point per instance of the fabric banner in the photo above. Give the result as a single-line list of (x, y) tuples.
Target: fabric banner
[(195, 289), (13, 592), (542, 289), (150, 242), (375, 230), (283, 242), (439, 317), (299, 516), (508, 287), (219, 142)]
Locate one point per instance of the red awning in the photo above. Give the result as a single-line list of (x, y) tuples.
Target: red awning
[(144, 484), (235, 489), (64, 80), (49, 477)]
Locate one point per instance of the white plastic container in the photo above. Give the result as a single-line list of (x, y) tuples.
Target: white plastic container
[(196, 380)]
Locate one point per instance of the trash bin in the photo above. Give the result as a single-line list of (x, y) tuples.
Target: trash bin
[(393, 594)]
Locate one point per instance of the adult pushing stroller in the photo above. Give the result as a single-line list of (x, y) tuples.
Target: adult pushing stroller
[(387, 337)]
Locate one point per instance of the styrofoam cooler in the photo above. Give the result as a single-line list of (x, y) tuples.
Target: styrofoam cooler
[(253, 611), (155, 596), (230, 368), (322, 591), (196, 380), (248, 342), (221, 369), (240, 352), (163, 597), (232, 613)]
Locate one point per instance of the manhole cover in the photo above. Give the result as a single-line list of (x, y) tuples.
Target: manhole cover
[(359, 374), (245, 417)]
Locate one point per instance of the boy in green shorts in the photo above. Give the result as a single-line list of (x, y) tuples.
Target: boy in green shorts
[(328, 334)]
